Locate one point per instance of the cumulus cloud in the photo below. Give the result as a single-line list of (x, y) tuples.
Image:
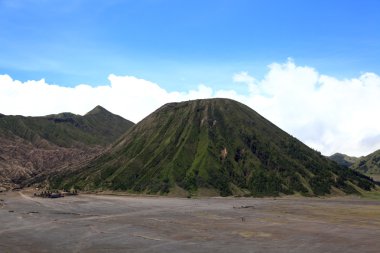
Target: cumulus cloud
[(328, 114)]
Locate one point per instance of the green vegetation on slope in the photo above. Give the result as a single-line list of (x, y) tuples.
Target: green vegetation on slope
[(369, 164), (98, 127), (215, 143)]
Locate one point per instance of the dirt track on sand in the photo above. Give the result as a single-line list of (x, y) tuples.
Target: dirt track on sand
[(94, 223)]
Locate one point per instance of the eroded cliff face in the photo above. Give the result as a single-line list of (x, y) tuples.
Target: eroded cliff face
[(34, 147), (21, 161)]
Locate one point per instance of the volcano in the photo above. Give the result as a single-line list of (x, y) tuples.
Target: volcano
[(212, 145)]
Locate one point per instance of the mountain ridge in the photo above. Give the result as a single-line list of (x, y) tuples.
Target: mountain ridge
[(33, 145), (369, 164), (343, 160), (97, 109)]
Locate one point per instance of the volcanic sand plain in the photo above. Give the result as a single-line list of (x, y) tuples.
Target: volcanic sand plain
[(103, 223)]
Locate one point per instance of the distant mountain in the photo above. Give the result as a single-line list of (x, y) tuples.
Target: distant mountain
[(369, 164), (343, 160), (211, 145), (32, 145)]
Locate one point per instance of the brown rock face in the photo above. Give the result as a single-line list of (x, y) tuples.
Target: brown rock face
[(21, 161)]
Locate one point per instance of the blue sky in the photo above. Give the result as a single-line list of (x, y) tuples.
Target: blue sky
[(180, 44), (309, 66)]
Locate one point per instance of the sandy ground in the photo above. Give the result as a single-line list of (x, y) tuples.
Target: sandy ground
[(93, 223)]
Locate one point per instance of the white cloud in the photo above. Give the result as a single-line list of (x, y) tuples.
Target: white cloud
[(328, 114), (243, 77), (128, 96)]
